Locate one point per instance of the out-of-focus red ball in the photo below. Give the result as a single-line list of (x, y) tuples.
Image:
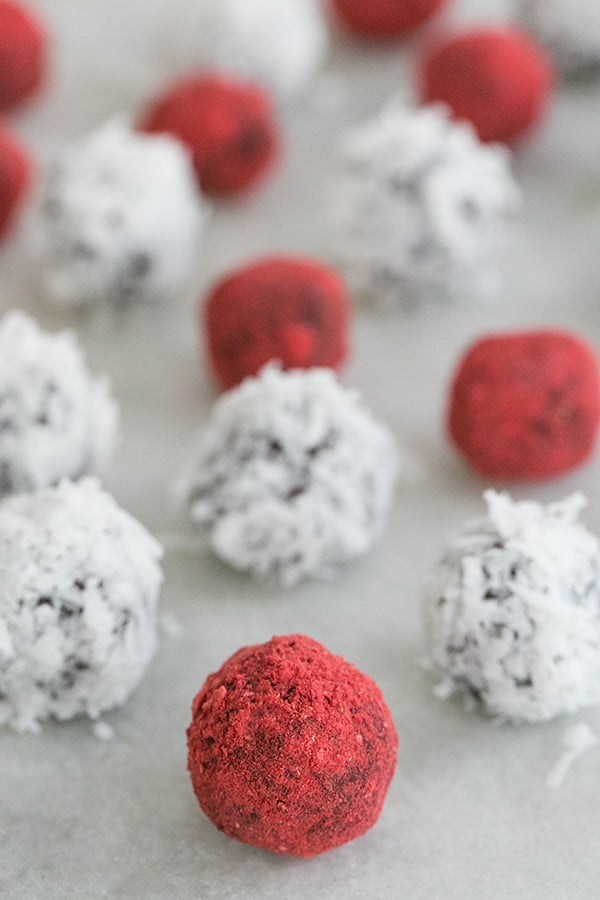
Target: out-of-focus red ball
[(23, 50), (291, 748), (500, 80), (293, 310), (15, 176), (526, 405), (386, 18), (229, 127)]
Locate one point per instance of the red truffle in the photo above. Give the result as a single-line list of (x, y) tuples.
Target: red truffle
[(386, 18), (498, 79), (22, 54), (292, 310), (291, 748), (15, 177), (228, 126), (526, 406)]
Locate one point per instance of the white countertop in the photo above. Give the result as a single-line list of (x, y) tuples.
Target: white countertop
[(469, 814)]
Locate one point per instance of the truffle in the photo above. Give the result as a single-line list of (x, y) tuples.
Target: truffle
[(291, 748), (418, 208), (498, 79), (23, 52), (512, 611), (57, 420), (288, 309), (569, 29), (118, 220), (80, 581), (382, 19), (280, 46), (227, 125), (15, 177), (526, 405), (292, 477)]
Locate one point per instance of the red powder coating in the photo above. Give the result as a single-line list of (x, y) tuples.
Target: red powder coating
[(291, 748), (15, 177), (228, 126), (23, 46), (386, 18), (526, 405), (292, 310), (498, 79)]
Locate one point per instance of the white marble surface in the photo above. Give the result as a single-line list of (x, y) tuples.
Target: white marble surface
[(469, 814)]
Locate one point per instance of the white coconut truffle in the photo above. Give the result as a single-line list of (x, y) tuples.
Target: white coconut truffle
[(57, 420), (118, 220), (78, 596), (280, 45), (418, 208), (292, 477), (512, 611), (570, 29)]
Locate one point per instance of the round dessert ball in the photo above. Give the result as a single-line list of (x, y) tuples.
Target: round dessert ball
[(23, 51), (500, 80), (57, 420), (569, 29), (292, 476), (526, 405), (292, 310), (291, 748), (386, 18), (118, 220), (512, 611), (80, 583), (228, 126), (15, 177), (418, 208), (281, 46)]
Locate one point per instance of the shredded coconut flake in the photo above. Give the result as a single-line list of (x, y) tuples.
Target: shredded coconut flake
[(78, 596), (512, 611), (418, 208), (292, 478), (280, 45), (56, 419), (577, 740), (170, 626), (118, 220), (103, 731)]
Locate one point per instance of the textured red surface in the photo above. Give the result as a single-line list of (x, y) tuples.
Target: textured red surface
[(291, 748), (386, 18), (15, 177), (228, 126), (526, 405), (498, 79), (293, 310), (22, 54)]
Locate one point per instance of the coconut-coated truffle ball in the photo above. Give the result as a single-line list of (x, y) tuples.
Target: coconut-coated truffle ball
[(526, 405), (292, 476), (281, 46), (57, 420), (23, 52), (80, 582), (569, 29), (291, 748), (498, 79), (386, 18), (288, 309), (512, 611), (15, 177), (228, 126), (118, 220), (418, 208)]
